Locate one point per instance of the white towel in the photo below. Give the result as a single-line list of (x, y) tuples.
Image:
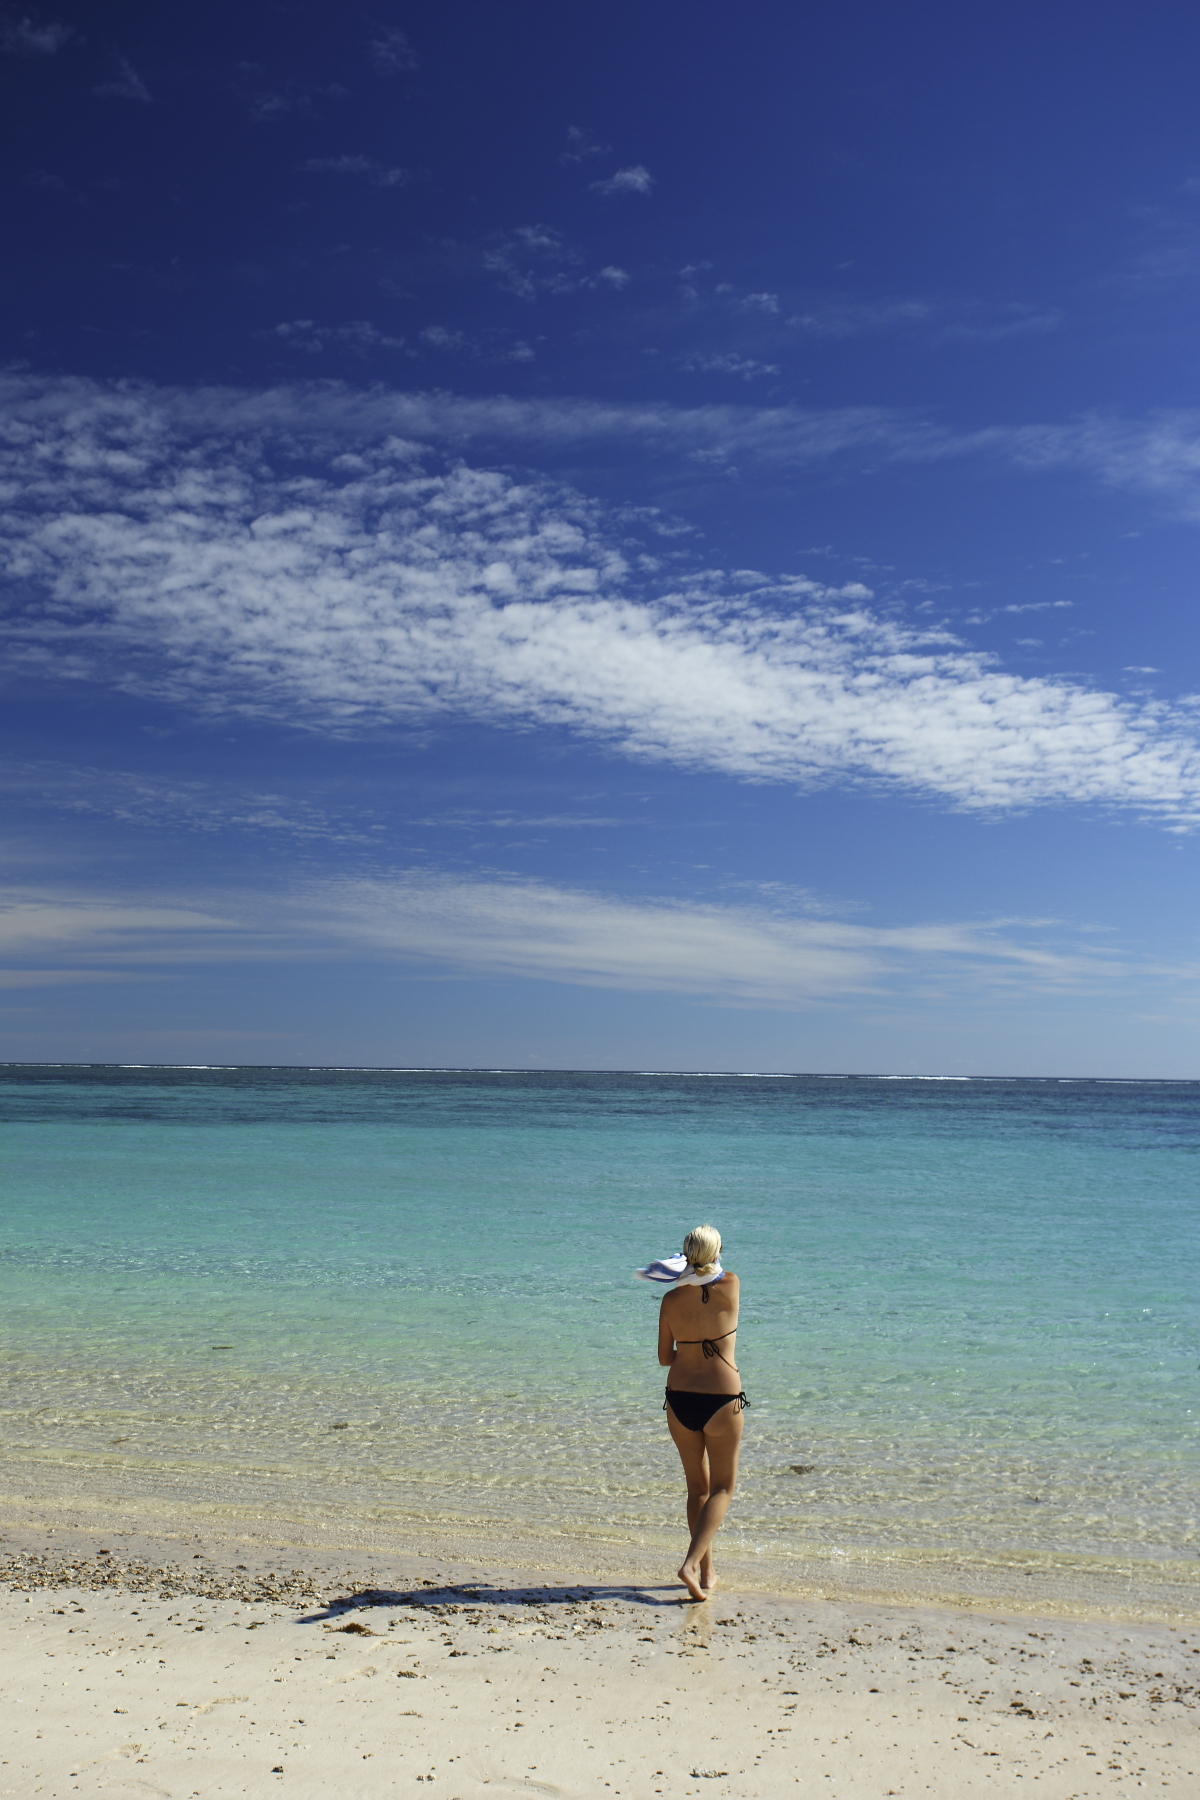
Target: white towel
[(677, 1271)]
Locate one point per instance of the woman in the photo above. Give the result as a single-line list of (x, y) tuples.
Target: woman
[(697, 1332)]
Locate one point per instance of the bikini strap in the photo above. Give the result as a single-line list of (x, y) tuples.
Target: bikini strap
[(709, 1346)]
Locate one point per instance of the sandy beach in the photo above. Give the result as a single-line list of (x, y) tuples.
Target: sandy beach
[(132, 1668)]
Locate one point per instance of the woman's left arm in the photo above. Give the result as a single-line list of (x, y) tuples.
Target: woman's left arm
[(666, 1337)]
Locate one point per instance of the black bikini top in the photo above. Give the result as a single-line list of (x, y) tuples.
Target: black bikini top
[(709, 1345)]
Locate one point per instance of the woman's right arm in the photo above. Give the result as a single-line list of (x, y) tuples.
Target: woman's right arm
[(666, 1337)]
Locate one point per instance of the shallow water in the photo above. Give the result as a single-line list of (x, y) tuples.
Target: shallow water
[(970, 1313)]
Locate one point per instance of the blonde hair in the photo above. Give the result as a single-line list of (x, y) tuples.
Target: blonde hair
[(702, 1247)]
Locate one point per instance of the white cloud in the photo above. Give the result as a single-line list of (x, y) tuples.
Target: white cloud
[(847, 318), (764, 303), (40, 923), (943, 320), (755, 954), (266, 106), (537, 259), (357, 335), (24, 37), (1160, 455), (158, 802), (38, 978), (391, 53), (729, 364), (346, 584), (974, 325), (126, 84), (698, 291), (748, 955), (635, 180), (582, 143), (529, 928), (364, 167), (493, 346), (534, 258), (443, 338), (337, 415)]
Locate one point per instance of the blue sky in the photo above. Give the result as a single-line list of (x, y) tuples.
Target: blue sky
[(626, 537)]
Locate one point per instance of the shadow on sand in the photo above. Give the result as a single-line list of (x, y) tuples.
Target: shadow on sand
[(480, 1594)]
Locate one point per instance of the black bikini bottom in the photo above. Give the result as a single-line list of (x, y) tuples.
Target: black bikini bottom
[(695, 1410)]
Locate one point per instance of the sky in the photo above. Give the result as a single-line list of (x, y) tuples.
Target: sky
[(629, 537)]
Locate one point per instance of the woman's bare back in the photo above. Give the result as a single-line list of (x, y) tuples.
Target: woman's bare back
[(691, 1318)]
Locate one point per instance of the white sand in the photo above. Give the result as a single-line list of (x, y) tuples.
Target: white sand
[(539, 1690)]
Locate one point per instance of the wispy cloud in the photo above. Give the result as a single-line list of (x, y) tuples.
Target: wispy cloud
[(938, 320), (847, 318), (342, 416), (476, 819), (943, 320), (365, 168), (126, 84), (370, 587), (761, 303), (48, 182), (391, 53), (160, 803), (634, 180), (1159, 455), (48, 922), (444, 337), (533, 259), (537, 259), (492, 346), (40, 978), (729, 364), (266, 104), (357, 335), (740, 954), (582, 143), (29, 37)]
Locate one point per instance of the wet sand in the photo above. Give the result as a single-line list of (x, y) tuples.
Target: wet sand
[(133, 1668)]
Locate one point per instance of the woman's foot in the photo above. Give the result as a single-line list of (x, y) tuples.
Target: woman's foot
[(689, 1574), (708, 1580)]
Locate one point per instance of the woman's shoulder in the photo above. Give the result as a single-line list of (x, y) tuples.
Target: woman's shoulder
[(727, 1284)]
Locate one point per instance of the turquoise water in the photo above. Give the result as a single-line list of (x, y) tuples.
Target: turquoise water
[(971, 1312)]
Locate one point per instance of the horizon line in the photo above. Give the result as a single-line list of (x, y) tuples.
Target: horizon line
[(570, 1069)]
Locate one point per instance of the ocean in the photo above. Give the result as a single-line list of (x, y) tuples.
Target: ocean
[(400, 1301)]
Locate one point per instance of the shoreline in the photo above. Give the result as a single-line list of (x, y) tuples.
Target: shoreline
[(317, 1525), (188, 1665)]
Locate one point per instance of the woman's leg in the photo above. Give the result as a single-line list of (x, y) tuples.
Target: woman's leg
[(694, 1457), (710, 1465)]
